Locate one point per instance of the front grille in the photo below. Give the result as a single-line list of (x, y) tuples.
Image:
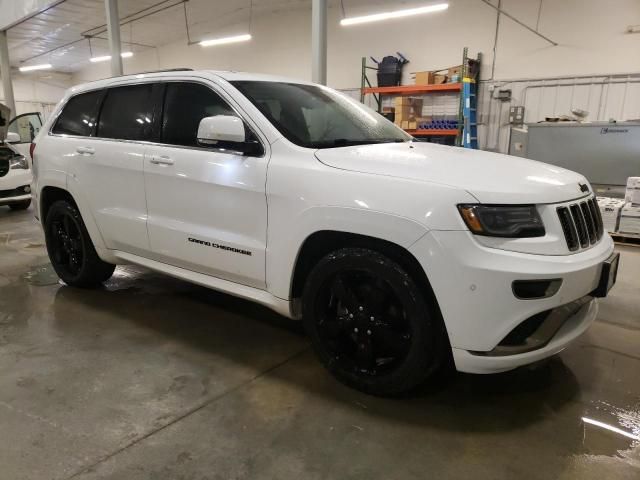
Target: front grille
[(581, 224), (4, 167)]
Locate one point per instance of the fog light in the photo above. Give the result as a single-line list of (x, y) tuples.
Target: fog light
[(27, 189)]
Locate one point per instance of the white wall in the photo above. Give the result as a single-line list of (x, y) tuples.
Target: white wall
[(590, 33), (38, 91), (591, 36)]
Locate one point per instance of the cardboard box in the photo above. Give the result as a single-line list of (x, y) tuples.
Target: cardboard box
[(405, 125), (630, 219), (424, 78), (632, 194), (404, 113), (610, 211), (454, 71), (413, 125), (439, 78), (402, 101), (408, 108)]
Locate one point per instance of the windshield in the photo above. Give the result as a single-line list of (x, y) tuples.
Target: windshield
[(313, 116)]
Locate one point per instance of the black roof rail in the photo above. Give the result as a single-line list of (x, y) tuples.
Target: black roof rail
[(179, 69)]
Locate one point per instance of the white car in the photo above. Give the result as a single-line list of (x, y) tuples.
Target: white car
[(398, 256), (15, 169)]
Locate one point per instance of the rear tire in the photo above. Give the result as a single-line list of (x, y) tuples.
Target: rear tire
[(370, 323), (70, 248), (23, 205)]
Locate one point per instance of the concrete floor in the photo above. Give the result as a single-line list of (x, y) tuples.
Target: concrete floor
[(153, 378)]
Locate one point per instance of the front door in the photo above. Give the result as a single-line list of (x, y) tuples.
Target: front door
[(207, 209), (27, 126)]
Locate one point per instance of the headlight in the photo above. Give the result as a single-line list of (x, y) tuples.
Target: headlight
[(513, 221), (19, 162)]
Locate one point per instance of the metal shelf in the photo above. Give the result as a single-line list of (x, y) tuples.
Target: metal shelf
[(413, 89), (432, 132)]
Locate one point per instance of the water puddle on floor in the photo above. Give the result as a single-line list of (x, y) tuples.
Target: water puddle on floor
[(611, 431), (41, 275)]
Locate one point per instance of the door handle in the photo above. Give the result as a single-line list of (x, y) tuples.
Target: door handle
[(85, 150), (161, 160)]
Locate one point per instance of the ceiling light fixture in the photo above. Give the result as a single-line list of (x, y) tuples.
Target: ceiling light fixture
[(225, 40), (377, 17), (104, 58), (30, 68)]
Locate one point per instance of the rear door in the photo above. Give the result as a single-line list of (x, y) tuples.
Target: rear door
[(109, 166), (207, 205)]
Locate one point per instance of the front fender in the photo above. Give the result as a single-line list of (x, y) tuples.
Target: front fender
[(285, 243)]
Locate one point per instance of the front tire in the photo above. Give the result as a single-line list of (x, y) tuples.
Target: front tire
[(23, 205), (70, 248), (370, 323)]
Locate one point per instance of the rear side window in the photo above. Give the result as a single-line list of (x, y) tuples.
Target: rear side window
[(78, 116), (184, 106), (127, 113)]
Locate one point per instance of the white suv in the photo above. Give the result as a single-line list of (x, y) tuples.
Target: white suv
[(399, 256)]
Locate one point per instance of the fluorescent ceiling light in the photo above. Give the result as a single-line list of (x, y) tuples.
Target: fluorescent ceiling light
[(225, 40), (30, 68), (104, 58), (377, 17)]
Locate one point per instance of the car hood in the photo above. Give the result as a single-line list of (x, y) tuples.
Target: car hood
[(489, 177)]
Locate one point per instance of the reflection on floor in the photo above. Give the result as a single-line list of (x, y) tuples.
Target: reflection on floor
[(153, 378)]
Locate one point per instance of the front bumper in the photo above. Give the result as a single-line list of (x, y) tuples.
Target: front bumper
[(12, 186), (16, 195), (473, 286)]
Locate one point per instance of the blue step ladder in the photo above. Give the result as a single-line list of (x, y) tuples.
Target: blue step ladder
[(469, 108)]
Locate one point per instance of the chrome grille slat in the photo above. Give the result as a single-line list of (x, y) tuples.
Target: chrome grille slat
[(581, 227), (591, 226), (581, 224), (595, 213)]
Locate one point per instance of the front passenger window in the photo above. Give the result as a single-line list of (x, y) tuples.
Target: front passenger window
[(184, 106)]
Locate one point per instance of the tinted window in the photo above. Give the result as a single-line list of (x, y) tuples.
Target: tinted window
[(127, 113), (185, 105), (79, 114), (318, 117), (27, 126)]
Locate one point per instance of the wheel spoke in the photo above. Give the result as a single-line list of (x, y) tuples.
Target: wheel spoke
[(336, 326), (389, 341), (344, 294), (66, 222), (365, 359)]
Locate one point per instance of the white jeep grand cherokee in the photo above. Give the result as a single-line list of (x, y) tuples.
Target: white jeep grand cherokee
[(397, 255)]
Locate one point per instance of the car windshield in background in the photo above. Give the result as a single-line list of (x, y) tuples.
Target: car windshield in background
[(317, 117)]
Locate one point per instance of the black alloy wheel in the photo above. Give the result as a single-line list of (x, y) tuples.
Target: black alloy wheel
[(371, 324), (67, 248), (362, 322), (70, 248)]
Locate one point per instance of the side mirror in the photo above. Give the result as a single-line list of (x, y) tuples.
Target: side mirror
[(221, 128), (13, 137)]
